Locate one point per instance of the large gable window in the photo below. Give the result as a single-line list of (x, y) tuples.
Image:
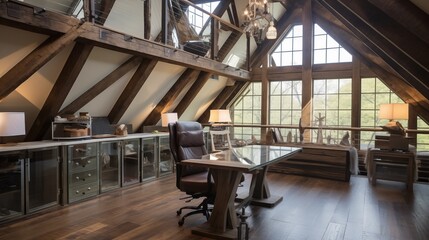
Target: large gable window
[(289, 51), (332, 104), (327, 50), (247, 110)]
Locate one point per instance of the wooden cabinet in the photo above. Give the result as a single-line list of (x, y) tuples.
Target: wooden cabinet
[(82, 171)]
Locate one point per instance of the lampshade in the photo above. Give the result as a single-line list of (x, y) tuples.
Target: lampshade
[(167, 118), (272, 31), (219, 116), (12, 124), (394, 111)]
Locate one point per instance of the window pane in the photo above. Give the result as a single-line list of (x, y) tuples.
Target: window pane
[(319, 56), (320, 42)]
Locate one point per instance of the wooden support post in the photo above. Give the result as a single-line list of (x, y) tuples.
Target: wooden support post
[(307, 64), (356, 101), (147, 19), (164, 21), (215, 38)]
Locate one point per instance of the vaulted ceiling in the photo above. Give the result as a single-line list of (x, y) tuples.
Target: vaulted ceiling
[(142, 78)]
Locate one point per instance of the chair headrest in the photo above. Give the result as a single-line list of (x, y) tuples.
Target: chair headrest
[(189, 134)]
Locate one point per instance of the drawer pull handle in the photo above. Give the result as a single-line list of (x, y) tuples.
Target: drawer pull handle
[(89, 174), (89, 188), (77, 191), (89, 161), (77, 164), (77, 178)]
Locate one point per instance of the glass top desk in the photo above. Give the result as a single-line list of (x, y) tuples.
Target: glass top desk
[(227, 168)]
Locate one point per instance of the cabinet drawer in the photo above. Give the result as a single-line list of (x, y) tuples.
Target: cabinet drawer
[(82, 191), (84, 177), (83, 164)]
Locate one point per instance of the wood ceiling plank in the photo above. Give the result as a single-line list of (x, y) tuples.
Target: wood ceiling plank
[(102, 85), (408, 15), (34, 61), (186, 78), (131, 90), (59, 92)]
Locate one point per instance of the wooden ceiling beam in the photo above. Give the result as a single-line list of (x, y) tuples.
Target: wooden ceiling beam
[(21, 16), (164, 105), (131, 90), (358, 49), (413, 73), (202, 79), (148, 49), (59, 92), (408, 15), (413, 47), (34, 61), (102, 85), (218, 102)]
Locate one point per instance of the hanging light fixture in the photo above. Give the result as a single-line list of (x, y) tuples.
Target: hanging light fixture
[(258, 21)]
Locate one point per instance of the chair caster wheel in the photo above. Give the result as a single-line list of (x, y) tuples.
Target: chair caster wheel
[(179, 212), (181, 222)]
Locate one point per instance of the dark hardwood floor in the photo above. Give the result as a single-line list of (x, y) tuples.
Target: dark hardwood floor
[(311, 209)]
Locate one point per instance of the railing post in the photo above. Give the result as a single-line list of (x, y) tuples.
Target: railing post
[(214, 38)]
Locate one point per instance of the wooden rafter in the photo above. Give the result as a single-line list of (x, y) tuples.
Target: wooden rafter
[(413, 73), (186, 78), (360, 50), (59, 92), (20, 16), (202, 79), (102, 85), (408, 15), (131, 90), (34, 61), (218, 102)]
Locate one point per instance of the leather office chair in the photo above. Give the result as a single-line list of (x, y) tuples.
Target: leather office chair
[(187, 142)]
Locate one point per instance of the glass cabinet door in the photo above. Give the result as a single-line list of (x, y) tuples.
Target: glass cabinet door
[(11, 185), (42, 178), (149, 166), (165, 157), (131, 162), (109, 165), (82, 171)]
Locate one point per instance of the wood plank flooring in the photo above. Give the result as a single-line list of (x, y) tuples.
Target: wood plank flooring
[(311, 209)]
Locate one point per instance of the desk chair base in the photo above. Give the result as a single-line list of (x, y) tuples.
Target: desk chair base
[(201, 208)]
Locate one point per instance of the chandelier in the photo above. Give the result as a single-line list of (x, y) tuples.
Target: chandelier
[(258, 21)]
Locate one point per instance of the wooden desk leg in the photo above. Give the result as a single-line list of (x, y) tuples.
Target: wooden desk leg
[(261, 195), (222, 223), (411, 171)]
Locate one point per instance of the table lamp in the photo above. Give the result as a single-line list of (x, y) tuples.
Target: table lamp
[(12, 124), (393, 112), (167, 118), (219, 117)]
